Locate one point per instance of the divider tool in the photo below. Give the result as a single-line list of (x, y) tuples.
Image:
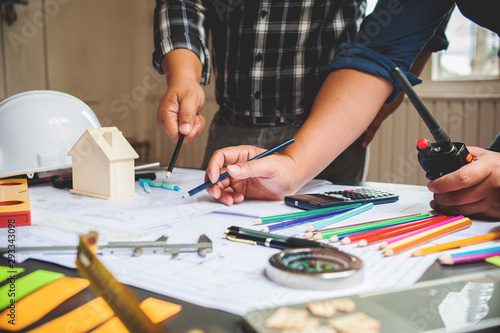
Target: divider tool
[(134, 249)]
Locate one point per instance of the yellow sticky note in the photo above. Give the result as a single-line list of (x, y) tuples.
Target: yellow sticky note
[(494, 260)]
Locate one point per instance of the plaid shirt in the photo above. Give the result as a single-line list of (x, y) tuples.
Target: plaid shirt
[(270, 57)]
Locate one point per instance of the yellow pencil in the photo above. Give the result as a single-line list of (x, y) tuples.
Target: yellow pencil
[(426, 236), (459, 243)]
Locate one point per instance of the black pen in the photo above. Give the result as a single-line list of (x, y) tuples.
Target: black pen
[(279, 240), (174, 156), (253, 240)]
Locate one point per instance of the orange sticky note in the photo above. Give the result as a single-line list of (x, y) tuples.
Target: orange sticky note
[(114, 325), (39, 303), (158, 310), (97, 312), (81, 319)]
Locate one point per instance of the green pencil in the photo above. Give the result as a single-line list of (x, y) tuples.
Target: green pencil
[(354, 228), (290, 216)]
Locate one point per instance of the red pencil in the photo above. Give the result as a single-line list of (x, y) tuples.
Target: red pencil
[(398, 230), (361, 235), (310, 234)]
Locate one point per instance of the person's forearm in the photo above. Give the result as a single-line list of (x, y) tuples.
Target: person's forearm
[(345, 106), (182, 64)]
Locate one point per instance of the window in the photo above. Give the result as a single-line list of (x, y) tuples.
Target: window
[(471, 55)]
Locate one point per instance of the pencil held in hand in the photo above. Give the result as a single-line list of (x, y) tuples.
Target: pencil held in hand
[(175, 155), (226, 174)]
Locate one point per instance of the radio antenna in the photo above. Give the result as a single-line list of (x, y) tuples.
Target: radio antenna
[(437, 132)]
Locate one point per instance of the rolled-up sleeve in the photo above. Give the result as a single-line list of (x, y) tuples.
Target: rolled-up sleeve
[(393, 35), (181, 25)]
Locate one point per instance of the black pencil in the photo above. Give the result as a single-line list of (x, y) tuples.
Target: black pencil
[(174, 156)]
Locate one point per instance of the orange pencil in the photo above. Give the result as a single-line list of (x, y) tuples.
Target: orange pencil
[(426, 236), (456, 244), (394, 231)]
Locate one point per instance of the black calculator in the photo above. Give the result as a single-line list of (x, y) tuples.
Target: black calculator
[(340, 198)]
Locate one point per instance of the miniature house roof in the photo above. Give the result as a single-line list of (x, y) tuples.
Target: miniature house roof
[(111, 142)]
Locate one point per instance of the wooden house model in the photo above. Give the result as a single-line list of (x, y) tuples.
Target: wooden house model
[(103, 164)]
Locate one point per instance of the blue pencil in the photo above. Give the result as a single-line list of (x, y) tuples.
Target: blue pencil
[(338, 218), (468, 253), (305, 219), (226, 174)]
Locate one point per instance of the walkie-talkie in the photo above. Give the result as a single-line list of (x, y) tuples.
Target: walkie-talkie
[(440, 158)]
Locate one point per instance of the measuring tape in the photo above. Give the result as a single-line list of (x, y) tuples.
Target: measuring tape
[(315, 268), (119, 297)]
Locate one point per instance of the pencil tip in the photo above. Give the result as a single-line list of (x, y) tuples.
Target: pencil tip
[(346, 240), (168, 174), (416, 253), (334, 239), (257, 221), (389, 252), (318, 236), (446, 259), (362, 242), (185, 195), (308, 234)]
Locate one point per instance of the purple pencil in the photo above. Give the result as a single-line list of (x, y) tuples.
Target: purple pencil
[(447, 259), (305, 219)]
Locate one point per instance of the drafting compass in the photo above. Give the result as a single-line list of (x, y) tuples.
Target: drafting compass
[(303, 263), (315, 268)]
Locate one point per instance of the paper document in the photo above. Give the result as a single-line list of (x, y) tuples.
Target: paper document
[(231, 278)]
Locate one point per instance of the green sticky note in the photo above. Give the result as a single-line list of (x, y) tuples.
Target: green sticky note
[(18, 288), (6, 272), (494, 260)]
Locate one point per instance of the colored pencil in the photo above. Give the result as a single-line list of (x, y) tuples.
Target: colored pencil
[(475, 247), (291, 216), (396, 231), (302, 220), (175, 155), (456, 244), (426, 236), (491, 248), (345, 237), (398, 238), (402, 226), (310, 234), (340, 217), (226, 174), (450, 260), (357, 227)]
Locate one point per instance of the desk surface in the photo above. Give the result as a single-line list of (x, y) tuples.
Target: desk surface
[(210, 320)]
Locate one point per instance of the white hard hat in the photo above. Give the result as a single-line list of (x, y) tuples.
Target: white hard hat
[(38, 128)]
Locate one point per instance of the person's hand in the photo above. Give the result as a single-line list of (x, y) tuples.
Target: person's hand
[(179, 110), (180, 106), (268, 178), (474, 189)]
